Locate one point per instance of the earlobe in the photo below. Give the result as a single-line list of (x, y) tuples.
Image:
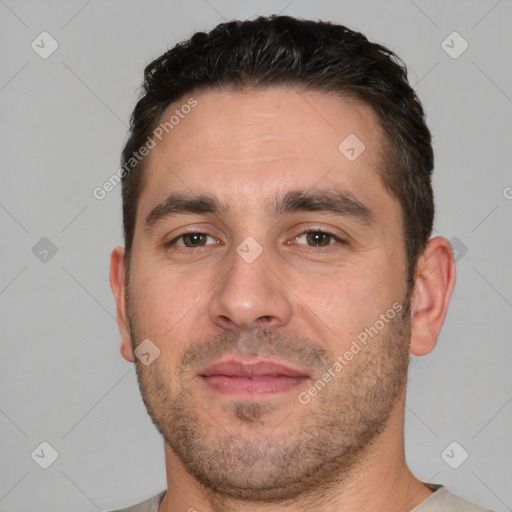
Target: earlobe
[(118, 285), (434, 283)]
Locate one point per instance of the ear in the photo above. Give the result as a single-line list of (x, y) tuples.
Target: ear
[(118, 285), (434, 282)]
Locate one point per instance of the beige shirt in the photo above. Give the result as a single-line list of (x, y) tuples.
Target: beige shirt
[(441, 501)]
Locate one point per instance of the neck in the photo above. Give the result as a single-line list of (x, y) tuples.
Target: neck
[(381, 481)]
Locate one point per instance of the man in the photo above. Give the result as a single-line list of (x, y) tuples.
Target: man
[(278, 269)]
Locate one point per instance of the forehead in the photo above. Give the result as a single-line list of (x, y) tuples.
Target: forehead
[(239, 124), (247, 145)]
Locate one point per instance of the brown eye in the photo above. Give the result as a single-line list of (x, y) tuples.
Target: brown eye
[(321, 239), (318, 238), (192, 239)]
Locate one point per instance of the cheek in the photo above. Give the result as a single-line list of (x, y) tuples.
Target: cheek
[(164, 303), (347, 299)]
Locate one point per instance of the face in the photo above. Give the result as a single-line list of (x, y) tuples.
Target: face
[(268, 268)]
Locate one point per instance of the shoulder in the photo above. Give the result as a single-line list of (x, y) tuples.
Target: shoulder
[(150, 505), (444, 501)]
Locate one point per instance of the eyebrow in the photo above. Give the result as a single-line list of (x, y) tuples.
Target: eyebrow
[(179, 203), (340, 202)]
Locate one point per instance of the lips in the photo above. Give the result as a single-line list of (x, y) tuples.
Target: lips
[(248, 379)]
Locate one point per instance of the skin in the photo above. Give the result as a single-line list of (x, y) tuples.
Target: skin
[(297, 302)]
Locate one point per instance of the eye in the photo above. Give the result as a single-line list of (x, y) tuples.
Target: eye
[(192, 240), (317, 238)]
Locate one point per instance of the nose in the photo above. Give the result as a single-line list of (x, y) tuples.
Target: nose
[(251, 295)]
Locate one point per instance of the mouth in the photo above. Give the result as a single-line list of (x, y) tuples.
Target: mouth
[(250, 379)]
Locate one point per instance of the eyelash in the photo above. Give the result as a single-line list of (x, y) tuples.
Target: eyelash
[(172, 242), (335, 238)]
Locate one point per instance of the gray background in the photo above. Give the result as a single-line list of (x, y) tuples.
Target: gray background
[(63, 124)]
